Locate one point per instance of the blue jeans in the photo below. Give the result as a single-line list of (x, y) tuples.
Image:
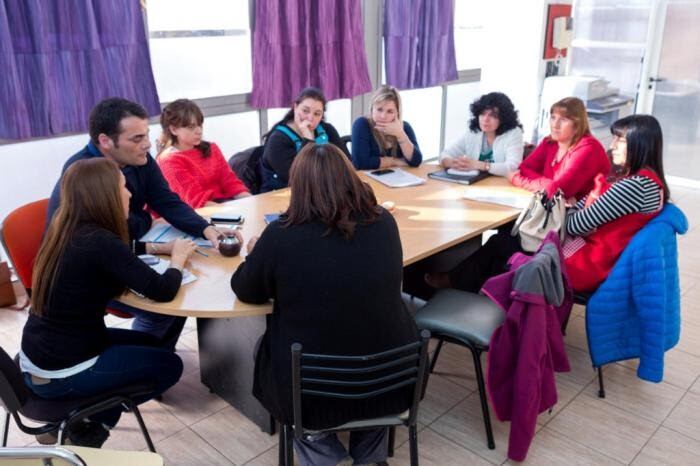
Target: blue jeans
[(166, 328), (131, 358)]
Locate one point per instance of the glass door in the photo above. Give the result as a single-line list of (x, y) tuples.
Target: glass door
[(675, 88)]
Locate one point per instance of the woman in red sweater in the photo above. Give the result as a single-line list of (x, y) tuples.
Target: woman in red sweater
[(195, 169), (568, 159)]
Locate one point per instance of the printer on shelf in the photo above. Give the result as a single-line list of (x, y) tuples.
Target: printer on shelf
[(604, 103)]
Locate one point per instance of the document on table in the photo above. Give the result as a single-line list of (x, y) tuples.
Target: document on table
[(163, 265), (494, 196), (164, 233), (395, 177)]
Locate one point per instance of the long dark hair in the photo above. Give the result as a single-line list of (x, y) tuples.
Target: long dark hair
[(90, 194), (502, 105), (326, 188), (645, 143), (313, 93), (181, 113)]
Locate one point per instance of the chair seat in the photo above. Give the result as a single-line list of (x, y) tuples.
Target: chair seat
[(395, 420), (45, 410), (468, 317)]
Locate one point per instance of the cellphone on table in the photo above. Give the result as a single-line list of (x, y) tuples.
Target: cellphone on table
[(149, 259), (383, 171), (235, 219)]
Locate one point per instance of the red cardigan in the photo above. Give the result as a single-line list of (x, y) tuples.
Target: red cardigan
[(574, 174), (591, 264), (197, 179)]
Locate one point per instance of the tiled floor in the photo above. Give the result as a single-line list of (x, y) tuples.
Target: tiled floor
[(637, 423)]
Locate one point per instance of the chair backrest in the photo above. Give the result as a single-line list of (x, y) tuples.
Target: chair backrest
[(390, 370), (347, 142), (13, 392), (246, 166), (21, 235)]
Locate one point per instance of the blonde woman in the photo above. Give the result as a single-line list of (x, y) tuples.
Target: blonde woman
[(383, 139)]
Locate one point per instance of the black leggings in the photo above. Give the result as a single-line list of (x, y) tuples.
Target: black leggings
[(488, 261)]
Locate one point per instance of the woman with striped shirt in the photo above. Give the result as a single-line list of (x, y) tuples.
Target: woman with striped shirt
[(602, 223)]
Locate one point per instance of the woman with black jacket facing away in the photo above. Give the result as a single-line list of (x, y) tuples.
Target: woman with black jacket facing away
[(333, 265)]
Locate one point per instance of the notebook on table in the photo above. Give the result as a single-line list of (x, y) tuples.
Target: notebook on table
[(459, 176), (395, 177), (163, 233)]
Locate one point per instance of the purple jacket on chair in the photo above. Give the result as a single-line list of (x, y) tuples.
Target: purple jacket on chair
[(528, 347)]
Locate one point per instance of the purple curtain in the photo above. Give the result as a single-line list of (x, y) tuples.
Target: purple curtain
[(419, 45), (300, 43), (59, 58)]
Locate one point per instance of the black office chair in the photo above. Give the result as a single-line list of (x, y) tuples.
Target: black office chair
[(347, 143), (401, 367), (16, 398), (469, 320)]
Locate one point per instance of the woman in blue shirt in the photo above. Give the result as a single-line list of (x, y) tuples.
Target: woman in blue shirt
[(383, 139)]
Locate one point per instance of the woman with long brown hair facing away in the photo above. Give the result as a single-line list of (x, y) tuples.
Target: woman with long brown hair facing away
[(332, 264), (84, 262)]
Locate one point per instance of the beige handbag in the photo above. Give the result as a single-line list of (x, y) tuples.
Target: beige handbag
[(540, 217)]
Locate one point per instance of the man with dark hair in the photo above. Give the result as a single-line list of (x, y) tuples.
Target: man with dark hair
[(119, 132)]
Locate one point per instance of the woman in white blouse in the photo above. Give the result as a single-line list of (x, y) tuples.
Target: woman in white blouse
[(494, 140)]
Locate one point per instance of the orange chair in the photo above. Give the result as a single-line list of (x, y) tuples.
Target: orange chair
[(21, 234)]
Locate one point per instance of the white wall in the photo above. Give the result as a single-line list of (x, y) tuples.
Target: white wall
[(514, 33), (29, 170)]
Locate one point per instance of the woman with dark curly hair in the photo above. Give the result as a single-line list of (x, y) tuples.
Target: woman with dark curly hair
[(494, 141)]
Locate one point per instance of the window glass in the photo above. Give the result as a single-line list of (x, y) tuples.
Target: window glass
[(457, 114), (469, 36), (200, 52), (421, 108)]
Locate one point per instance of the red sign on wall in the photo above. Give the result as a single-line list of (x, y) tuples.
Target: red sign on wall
[(554, 11)]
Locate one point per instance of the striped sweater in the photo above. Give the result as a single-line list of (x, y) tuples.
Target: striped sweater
[(636, 194)]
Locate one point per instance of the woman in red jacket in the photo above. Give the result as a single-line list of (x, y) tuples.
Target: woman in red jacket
[(568, 159), (195, 169)]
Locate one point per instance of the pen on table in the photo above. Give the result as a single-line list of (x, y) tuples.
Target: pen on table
[(201, 253)]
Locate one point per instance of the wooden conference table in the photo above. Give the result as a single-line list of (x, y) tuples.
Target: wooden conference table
[(431, 218)]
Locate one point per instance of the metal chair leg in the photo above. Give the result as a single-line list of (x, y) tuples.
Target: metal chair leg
[(601, 388), (134, 409), (6, 429), (391, 442), (435, 356), (282, 451), (289, 443), (413, 444), (482, 396)]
